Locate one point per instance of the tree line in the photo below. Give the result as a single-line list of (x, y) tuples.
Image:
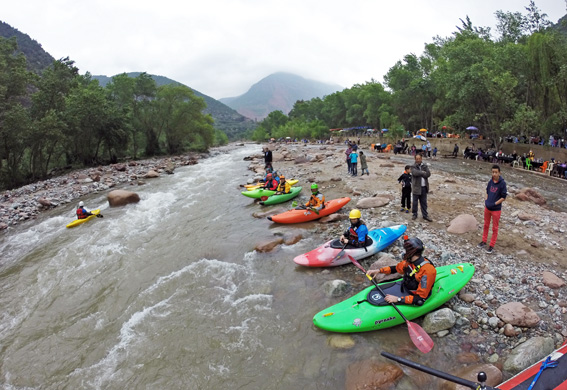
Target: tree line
[(513, 83), (60, 118)]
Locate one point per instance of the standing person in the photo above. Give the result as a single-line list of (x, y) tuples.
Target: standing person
[(428, 149), (348, 152), (495, 194), (82, 213), (358, 140), (456, 150), (435, 152), (405, 180), (267, 156), (420, 187), (363, 164), (354, 162)]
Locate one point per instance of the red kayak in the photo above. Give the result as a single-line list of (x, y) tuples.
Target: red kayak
[(298, 216), (554, 377)]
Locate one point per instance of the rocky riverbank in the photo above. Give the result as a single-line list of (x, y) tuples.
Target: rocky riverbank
[(513, 311), (27, 202)]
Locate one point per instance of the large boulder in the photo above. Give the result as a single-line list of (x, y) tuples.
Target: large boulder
[(335, 288), (269, 245), (341, 341), (334, 218), (439, 320), (531, 195), (151, 174), (122, 197), (528, 353), (518, 314), (369, 374), (493, 374), (463, 223), (385, 260), (552, 281), (367, 203)]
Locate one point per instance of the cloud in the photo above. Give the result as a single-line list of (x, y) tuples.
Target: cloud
[(222, 47)]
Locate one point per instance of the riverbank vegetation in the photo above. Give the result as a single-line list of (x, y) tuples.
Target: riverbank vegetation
[(512, 82), (59, 118)]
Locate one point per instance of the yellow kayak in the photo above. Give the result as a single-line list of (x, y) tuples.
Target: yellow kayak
[(80, 221), (252, 187)]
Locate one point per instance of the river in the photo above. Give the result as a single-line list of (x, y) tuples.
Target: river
[(169, 294)]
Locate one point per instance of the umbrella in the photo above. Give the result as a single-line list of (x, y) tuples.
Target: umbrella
[(385, 130), (420, 137), (472, 128)]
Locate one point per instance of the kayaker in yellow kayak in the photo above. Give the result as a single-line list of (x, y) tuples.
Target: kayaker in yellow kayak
[(284, 187), (82, 213), (419, 274)]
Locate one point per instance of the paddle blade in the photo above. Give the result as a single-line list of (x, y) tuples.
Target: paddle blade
[(419, 337), (100, 216), (352, 259), (263, 198)]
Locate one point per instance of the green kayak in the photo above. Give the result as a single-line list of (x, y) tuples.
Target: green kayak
[(258, 193), (275, 199), (357, 314)]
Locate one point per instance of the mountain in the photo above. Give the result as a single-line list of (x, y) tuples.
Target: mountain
[(37, 58), (226, 119), (278, 91), (561, 25)]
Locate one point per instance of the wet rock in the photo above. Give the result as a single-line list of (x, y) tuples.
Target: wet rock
[(469, 298), (384, 260), (293, 239), (509, 331), (264, 214), (120, 167), (169, 168), (151, 174), (531, 195), (367, 203), (468, 358), (335, 288), (122, 197), (341, 341), (517, 314), (369, 374), (333, 218), (439, 320), (463, 223), (269, 245), (3, 226), (528, 353), (552, 281), (494, 376)]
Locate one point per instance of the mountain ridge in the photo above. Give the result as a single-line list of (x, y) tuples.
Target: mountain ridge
[(277, 91)]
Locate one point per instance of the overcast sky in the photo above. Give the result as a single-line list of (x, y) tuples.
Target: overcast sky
[(222, 47)]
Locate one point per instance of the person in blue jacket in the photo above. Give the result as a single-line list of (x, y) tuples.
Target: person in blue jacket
[(357, 233), (82, 213), (495, 195)]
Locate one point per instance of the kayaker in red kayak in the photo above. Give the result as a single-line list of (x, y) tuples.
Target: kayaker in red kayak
[(82, 213), (357, 233), (419, 274), (271, 183), (284, 187)]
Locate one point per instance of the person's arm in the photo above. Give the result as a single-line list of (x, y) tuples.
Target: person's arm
[(503, 195), (426, 278)]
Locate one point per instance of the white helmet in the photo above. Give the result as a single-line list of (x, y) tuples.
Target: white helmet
[(81, 204)]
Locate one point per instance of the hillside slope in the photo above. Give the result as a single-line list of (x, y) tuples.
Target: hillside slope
[(37, 58), (226, 119), (278, 91)]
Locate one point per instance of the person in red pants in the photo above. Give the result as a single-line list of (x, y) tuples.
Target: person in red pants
[(495, 194)]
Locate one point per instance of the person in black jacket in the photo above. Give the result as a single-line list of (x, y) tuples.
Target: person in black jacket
[(496, 194), (405, 180), (267, 156)]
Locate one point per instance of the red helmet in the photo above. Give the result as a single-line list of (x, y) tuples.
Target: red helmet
[(269, 175)]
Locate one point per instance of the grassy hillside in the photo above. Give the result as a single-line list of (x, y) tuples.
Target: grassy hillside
[(37, 58), (226, 119)]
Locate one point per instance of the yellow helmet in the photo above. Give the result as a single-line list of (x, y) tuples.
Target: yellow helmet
[(354, 214)]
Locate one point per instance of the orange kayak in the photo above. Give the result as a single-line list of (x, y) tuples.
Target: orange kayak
[(298, 216)]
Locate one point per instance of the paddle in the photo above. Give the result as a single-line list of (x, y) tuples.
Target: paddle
[(340, 253), (417, 335), (100, 216)]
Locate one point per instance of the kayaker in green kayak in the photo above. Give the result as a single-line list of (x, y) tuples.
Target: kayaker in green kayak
[(271, 183), (419, 274), (82, 213), (284, 187), (356, 234)]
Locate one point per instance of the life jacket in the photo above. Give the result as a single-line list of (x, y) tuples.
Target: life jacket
[(271, 185), (81, 213), (316, 200), (409, 281), (352, 234), (284, 187)]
